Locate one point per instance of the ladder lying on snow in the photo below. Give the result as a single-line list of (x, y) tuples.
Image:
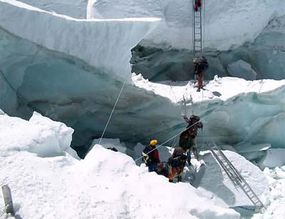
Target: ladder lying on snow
[(235, 176)]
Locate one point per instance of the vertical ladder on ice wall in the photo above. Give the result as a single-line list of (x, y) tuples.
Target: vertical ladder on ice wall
[(235, 176), (197, 30)]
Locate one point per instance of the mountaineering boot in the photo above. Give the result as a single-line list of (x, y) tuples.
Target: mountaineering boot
[(179, 178)]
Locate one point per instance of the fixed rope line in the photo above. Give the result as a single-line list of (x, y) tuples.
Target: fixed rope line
[(174, 136), (174, 142), (112, 111)]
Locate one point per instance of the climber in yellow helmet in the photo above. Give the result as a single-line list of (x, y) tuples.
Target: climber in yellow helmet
[(151, 156)]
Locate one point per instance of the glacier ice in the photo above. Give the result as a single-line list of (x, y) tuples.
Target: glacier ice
[(67, 89), (39, 135), (241, 69), (265, 55), (252, 31), (228, 23), (104, 44), (75, 78)]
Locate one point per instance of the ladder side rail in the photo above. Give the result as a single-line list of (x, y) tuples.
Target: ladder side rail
[(201, 31), (242, 180), (231, 177), (257, 201), (194, 20), (230, 164)]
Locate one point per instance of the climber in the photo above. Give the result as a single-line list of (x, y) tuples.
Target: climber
[(200, 66), (187, 137), (197, 5), (151, 156), (176, 164)]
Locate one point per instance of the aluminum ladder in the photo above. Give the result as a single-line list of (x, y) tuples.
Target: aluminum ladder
[(197, 31), (235, 176)]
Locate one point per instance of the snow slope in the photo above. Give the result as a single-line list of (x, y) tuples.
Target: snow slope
[(108, 184), (227, 24), (104, 44), (105, 184), (39, 135)]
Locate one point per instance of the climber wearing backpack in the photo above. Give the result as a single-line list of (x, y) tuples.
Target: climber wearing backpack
[(187, 137), (176, 164), (197, 4), (151, 156), (200, 66)]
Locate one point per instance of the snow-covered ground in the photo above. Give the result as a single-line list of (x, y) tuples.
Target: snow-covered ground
[(218, 88), (48, 180)]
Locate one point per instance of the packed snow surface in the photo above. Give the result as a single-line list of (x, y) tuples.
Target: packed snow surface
[(105, 184), (108, 184)]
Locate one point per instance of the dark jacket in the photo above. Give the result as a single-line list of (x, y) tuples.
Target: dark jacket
[(178, 158), (193, 125), (150, 155), (200, 64)]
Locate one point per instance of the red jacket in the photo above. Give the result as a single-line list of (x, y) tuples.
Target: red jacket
[(153, 155)]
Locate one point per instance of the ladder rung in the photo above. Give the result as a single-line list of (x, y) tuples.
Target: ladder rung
[(234, 175)]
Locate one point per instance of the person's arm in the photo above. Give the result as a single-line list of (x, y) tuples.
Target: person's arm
[(186, 119)]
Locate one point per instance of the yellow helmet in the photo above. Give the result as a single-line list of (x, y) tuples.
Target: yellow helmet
[(153, 142)]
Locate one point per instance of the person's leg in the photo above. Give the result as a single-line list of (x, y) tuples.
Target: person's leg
[(200, 80), (179, 174), (189, 157), (152, 167), (172, 174)]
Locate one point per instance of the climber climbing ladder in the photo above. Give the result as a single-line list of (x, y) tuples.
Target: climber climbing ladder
[(197, 28), (235, 176)]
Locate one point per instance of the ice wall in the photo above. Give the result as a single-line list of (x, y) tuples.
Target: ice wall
[(251, 31), (227, 24), (72, 70), (250, 122), (104, 44), (67, 89)]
